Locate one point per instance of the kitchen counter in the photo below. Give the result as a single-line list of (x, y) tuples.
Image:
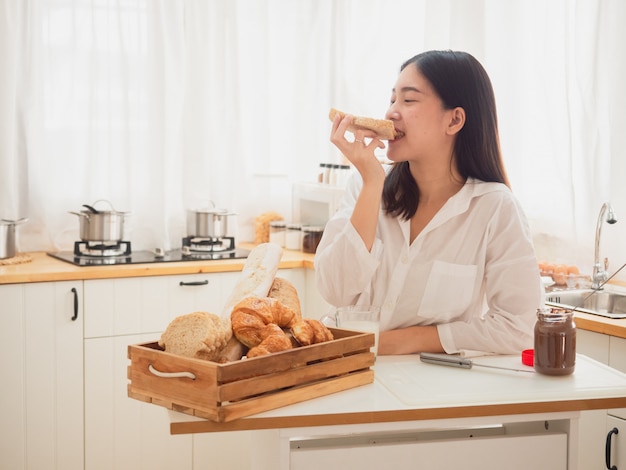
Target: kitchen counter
[(406, 389), (45, 268), (459, 418)]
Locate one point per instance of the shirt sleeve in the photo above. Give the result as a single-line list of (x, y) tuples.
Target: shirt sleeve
[(344, 268)]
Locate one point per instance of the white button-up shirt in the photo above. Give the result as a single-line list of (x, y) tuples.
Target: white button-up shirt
[(472, 271)]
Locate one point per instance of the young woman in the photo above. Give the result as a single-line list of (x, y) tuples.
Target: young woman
[(436, 239)]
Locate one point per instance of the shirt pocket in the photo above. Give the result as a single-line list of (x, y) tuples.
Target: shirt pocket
[(448, 292)]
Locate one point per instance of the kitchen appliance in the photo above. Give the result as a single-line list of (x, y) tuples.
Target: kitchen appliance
[(102, 243), (315, 203), (113, 253), (7, 237)]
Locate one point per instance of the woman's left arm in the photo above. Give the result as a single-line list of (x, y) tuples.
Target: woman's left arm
[(513, 289)]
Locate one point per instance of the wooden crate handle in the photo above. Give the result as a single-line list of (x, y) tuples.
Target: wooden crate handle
[(169, 375)]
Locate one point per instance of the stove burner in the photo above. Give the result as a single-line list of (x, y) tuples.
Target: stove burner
[(197, 245), (102, 249)]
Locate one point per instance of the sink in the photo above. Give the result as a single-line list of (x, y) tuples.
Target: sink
[(604, 303)]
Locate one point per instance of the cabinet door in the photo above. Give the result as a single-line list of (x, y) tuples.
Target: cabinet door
[(42, 370), (122, 433), (591, 435), (617, 360)]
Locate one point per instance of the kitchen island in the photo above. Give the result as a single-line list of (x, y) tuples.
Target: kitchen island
[(412, 408)]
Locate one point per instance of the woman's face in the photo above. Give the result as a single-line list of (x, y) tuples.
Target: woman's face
[(419, 115)]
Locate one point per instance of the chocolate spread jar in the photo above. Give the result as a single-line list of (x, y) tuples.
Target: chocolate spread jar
[(555, 341)]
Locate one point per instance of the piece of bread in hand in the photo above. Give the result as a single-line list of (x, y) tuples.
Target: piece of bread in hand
[(384, 128)]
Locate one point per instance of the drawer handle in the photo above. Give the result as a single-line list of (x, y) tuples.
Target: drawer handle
[(194, 283), (75, 315), (170, 375), (607, 449)]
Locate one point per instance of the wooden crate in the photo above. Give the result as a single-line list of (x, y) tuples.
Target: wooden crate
[(225, 392)]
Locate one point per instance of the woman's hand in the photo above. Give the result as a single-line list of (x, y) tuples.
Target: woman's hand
[(359, 153)]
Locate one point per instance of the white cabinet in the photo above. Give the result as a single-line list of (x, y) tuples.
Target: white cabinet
[(121, 432), (41, 339), (124, 433), (596, 425), (64, 402)]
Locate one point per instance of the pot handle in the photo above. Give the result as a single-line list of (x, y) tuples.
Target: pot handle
[(16, 222), (104, 200), (79, 214)]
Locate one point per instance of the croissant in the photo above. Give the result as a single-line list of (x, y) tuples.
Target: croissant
[(309, 331), (273, 340), (252, 314)]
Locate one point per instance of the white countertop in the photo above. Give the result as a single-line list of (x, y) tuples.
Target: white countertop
[(407, 389)]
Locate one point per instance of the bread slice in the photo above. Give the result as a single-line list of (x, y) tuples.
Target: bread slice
[(199, 335), (384, 128)]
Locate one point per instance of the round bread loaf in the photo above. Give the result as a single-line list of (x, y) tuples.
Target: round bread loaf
[(199, 335)]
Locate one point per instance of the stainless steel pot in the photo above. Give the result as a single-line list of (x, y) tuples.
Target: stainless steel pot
[(101, 226), (208, 223), (7, 237)]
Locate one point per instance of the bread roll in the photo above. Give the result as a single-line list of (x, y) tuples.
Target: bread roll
[(384, 128), (199, 335), (256, 276)]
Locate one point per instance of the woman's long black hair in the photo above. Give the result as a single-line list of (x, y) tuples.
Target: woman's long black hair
[(460, 81)]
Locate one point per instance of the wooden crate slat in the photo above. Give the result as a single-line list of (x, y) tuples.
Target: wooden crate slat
[(297, 376), (293, 395)]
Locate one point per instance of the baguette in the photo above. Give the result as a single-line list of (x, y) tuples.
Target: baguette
[(256, 276), (384, 128)]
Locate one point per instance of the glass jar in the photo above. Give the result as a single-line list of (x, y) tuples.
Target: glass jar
[(555, 341), (277, 232), (293, 237), (311, 236)]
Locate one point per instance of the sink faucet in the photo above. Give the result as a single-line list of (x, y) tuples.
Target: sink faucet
[(600, 273)]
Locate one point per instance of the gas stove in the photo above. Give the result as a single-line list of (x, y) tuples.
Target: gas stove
[(104, 254)]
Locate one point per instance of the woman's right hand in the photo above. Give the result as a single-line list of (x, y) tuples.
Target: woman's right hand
[(359, 152)]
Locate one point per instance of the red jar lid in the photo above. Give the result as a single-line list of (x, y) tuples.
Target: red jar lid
[(528, 357)]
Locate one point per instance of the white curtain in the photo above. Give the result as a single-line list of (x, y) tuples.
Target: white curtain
[(159, 106)]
